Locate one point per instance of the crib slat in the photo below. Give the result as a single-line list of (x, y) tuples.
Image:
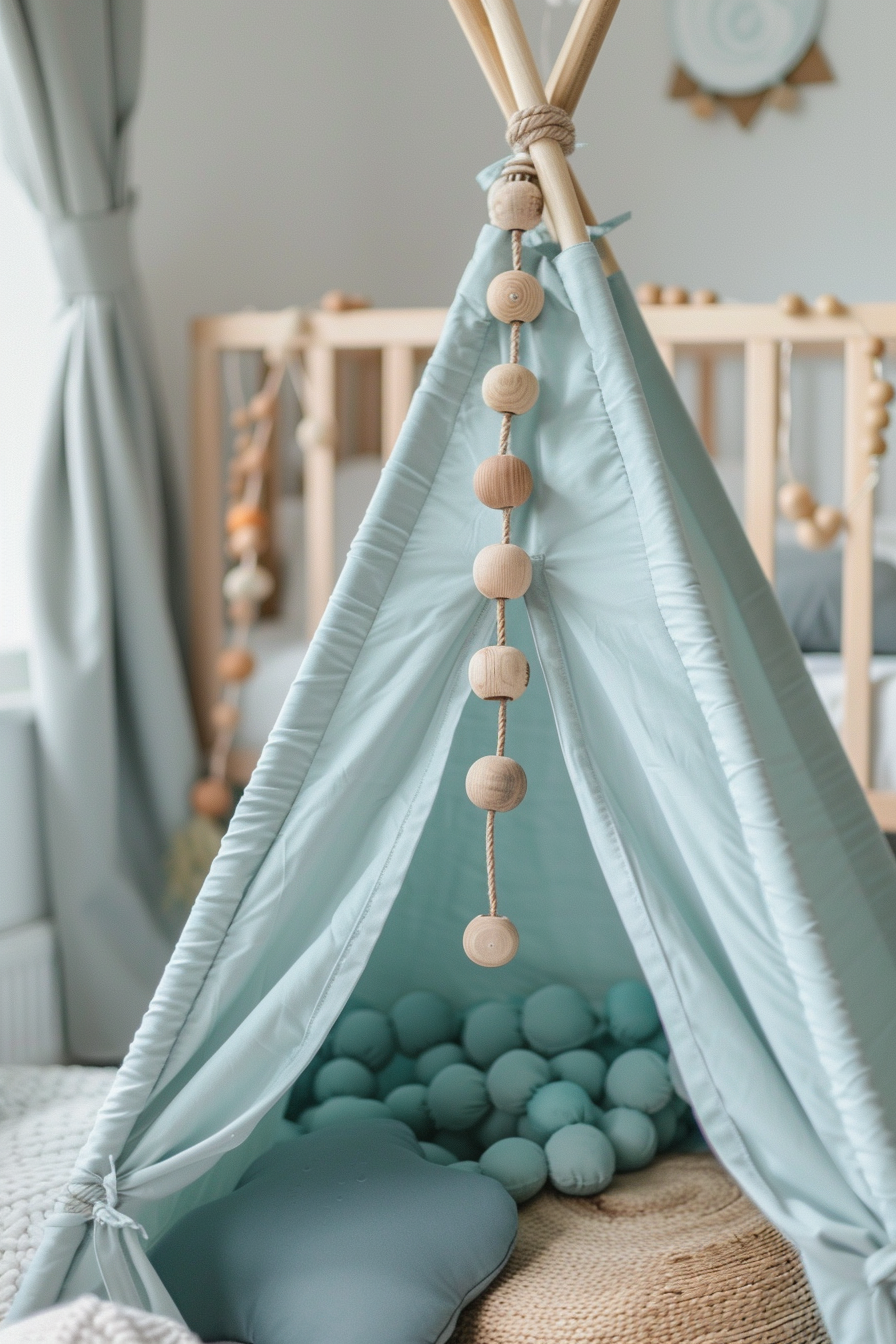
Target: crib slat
[(206, 550), (319, 484), (858, 561), (399, 381), (760, 449)]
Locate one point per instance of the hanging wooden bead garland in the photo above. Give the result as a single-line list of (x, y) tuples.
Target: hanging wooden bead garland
[(246, 585), (504, 571), (816, 525)]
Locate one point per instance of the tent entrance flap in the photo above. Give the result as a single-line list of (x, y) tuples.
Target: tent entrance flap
[(550, 882)]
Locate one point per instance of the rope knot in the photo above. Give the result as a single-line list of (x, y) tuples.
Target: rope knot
[(545, 121), (99, 1202)]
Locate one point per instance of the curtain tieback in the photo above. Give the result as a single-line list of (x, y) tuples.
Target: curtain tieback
[(92, 252)]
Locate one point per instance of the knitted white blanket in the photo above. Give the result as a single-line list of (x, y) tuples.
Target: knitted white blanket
[(46, 1115), (87, 1320)]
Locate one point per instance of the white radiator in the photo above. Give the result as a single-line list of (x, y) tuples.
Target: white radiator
[(30, 1008)]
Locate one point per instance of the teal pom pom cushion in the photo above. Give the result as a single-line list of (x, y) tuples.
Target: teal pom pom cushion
[(491, 1029), (557, 1105), (365, 1034), (581, 1160), (557, 1018), (410, 1105), (514, 1078), (437, 1058), (343, 1235), (585, 1067), (640, 1079), (458, 1098), (422, 1019), (520, 1166), (343, 1078), (631, 1012), (633, 1136)]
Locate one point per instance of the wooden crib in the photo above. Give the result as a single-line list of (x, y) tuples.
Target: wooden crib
[(366, 362)]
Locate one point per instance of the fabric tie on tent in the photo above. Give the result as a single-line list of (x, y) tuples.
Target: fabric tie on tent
[(114, 723)]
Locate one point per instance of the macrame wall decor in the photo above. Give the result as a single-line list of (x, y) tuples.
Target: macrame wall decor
[(741, 55), (503, 571)]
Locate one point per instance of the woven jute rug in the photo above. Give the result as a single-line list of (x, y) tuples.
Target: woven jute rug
[(675, 1253)]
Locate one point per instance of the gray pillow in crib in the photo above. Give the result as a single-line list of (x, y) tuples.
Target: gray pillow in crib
[(810, 588), (336, 1237)]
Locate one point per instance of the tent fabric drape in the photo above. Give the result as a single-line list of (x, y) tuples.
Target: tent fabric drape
[(689, 806), (113, 716)]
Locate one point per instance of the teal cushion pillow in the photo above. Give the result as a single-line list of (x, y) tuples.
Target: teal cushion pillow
[(336, 1237), (457, 1097), (581, 1160), (639, 1078), (557, 1018), (518, 1164), (513, 1079), (557, 1105), (437, 1058), (585, 1067), (633, 1136), (631, 1012), (365, 1034), (343, 1078), (490, 1030), (422, 1019)]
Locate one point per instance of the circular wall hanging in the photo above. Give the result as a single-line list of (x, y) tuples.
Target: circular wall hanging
[(741, 53)]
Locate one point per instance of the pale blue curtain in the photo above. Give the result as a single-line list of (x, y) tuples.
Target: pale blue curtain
[(118, 745)]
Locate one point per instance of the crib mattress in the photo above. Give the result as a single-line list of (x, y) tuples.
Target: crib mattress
[(675, 1252), (826, 671)]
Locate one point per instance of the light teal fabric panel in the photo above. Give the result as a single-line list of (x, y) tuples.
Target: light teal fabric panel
[(689, 811), (113, 716)]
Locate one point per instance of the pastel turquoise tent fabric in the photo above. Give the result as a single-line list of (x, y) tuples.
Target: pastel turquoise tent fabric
[(690, 811), (114, 725)]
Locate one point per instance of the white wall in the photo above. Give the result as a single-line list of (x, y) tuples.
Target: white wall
[(285, 147)]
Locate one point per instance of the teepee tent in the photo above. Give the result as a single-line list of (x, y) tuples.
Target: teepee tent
[(690, 811)]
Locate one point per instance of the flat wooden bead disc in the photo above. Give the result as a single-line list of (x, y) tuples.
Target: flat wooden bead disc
[(491, 940), (515, 296)]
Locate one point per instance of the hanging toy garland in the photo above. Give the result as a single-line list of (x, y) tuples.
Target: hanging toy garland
[(503, 571), (817, 525), (246, 586)]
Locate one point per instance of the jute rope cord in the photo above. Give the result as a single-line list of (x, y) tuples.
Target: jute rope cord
[(545, 121), (674, 1253)]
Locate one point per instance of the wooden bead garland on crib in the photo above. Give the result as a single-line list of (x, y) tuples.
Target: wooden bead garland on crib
[(504, 571), (246, 586)]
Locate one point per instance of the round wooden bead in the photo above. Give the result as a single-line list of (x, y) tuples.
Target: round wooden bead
[(673, 295), (503, 481), (240, 418), (880, 392), (510, 388), (246, 539), (828, 305), (873, 347), (648, 293), (828, 522), (515, 205), (502, 570), (224, 716), (491, 940), (253, 458), (235, 664), (515, 296), (875, 445), (262, 406), (211, 797), (499, 672), (253, 582), (808, 535), (792, 305), (245, 515), (796, 501), (496, 783), (703, 298), (877, 417)]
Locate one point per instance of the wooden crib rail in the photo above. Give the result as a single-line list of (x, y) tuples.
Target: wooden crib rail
[(401, 336)]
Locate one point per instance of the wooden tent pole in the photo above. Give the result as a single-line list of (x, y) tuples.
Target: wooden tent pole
[(579, 52), (472, 19), (549, 159)]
